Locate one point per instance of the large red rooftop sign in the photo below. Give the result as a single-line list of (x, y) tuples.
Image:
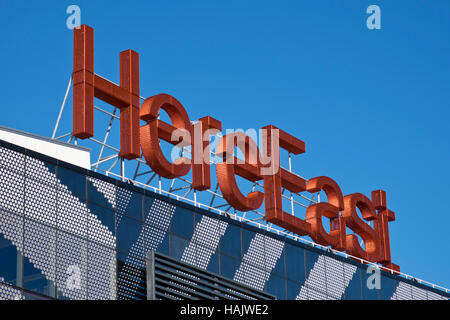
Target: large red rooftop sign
[(259, 165)]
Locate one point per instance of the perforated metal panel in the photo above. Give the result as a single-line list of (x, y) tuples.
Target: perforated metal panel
[(204, 242), (435, 296), (328, 279), (259, 261), (61, 236), (132, 272), (8, 292), (315, 287), (403, 292)]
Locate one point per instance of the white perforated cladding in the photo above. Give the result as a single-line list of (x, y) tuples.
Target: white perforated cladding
[(405, 291), (118, 198), (315, 283), (418, 293), (160, 214), (402, 292), (328, 279), (12, 170), (259, 260), (204, 242), (123, 198), (10, 293), (131, 275), (156, 226), (107, 189), (435, 296), (55, 229)]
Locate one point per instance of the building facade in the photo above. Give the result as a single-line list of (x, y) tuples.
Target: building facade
[(70, 233)]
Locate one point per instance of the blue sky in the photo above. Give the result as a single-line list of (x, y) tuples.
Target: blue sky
[(371, 105)]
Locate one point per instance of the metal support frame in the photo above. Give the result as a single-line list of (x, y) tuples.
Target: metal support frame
[(62, 107)]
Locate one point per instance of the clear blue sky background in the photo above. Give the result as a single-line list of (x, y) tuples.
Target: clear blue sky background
[(371, 105)]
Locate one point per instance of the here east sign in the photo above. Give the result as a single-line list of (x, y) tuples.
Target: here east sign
[(259, 165)]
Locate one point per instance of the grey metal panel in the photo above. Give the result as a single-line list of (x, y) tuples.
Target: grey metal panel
[(173, 279), (150, 275)]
